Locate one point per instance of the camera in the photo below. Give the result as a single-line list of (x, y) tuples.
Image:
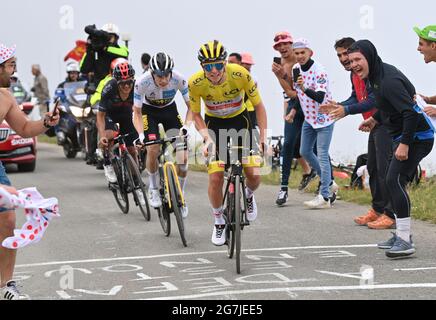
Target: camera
[(98, 39)]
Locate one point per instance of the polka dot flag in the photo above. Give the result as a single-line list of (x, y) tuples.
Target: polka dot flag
[(39, 213), (6, 53)]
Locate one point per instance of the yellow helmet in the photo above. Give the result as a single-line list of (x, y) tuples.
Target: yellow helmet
[(212, 51)]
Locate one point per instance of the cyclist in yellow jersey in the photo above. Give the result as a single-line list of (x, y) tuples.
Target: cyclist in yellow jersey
[(222, 88)]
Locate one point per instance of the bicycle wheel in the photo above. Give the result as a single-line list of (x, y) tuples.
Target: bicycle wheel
[(230, 217), (118, 189), (138, 186), (165, 220), (176, 203), (237, 225)]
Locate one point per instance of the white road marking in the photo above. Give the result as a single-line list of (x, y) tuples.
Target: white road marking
[(300, 289), (416, 269), (188, 254), (345, 275)]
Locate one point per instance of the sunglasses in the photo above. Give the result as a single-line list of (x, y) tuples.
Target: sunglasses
[(208, 67), (124, 83), (281, 37)]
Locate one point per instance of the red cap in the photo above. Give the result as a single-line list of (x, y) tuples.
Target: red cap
[(282, 37)]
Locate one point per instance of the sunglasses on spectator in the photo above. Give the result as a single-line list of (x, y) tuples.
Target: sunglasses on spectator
[(124, 83), (209, 66)]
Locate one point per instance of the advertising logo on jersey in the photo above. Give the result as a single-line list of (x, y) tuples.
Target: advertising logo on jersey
[(237, 75), (169, 94), (252, 91), (232, 93), (197, 81)]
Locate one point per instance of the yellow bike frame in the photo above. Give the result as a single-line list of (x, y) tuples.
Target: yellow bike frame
[(173, 168)]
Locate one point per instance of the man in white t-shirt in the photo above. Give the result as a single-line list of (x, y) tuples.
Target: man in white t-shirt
[(313, 89)]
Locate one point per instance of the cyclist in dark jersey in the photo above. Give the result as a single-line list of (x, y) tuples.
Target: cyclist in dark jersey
[(116, 107)]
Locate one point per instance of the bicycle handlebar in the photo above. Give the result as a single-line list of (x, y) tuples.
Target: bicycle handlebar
[(162, 141)]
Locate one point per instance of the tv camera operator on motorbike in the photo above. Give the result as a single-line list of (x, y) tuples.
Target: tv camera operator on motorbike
[(102, 48)]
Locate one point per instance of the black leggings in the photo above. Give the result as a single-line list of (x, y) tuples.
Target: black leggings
[(400, 173)]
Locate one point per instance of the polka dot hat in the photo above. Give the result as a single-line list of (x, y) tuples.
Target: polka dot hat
[(6, 53)]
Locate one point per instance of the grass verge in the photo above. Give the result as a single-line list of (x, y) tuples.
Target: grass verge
[(423, 197)]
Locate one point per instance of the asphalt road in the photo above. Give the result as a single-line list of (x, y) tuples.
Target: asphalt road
[(93, 251)]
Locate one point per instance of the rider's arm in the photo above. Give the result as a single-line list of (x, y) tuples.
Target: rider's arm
[(138, 95), (184, 90), (201, 126), (251, 90), (137, 120), (261, 120), (189, 115), (101, 124)]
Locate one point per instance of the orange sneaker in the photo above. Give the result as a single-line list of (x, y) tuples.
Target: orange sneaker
[(369, 217), (383, 223)]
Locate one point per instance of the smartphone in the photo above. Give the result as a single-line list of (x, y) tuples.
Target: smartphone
[(55, 109), (296, 74), (278, 60)]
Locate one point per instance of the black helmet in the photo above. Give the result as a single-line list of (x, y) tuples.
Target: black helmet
[(212, 51), (161, 64)]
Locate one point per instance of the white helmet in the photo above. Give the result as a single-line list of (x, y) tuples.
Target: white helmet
[(111, 28), (73, 67)]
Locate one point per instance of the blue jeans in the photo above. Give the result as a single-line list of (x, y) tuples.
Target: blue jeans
[(3, 180), (292, 134), (321, 162)]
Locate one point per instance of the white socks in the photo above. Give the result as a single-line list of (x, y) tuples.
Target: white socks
[(153, 180), (182, 182), (248, 192), (403, 228), (218, 213)]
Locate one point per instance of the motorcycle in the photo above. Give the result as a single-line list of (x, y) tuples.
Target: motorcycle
[(75, 116)]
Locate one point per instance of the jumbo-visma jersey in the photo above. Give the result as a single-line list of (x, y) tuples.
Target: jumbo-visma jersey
[(227, 99)]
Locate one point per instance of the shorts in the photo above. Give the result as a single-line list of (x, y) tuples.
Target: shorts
[(169, 117), (5, 181), (239, 130), (125, 126)]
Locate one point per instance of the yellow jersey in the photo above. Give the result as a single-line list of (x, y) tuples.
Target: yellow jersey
[(225, 100)]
